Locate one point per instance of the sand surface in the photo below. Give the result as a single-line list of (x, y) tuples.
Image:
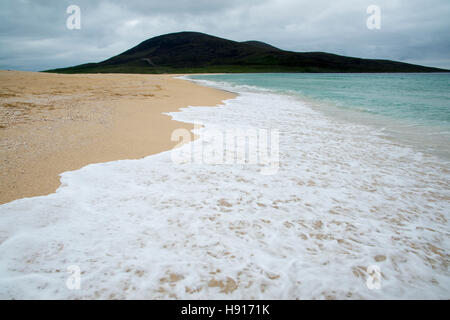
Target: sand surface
[(52, 123)]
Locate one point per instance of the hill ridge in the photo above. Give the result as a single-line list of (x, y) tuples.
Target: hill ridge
[(192, 52)]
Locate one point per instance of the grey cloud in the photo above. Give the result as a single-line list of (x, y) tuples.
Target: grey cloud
[(34, 35)]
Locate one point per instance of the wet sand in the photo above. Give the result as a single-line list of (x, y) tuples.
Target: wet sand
[(52, 123)]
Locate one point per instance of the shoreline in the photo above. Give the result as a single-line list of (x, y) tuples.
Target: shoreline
[(337, 183), (53, 123)]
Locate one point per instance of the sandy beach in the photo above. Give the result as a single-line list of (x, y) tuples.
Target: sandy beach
[(52, 123)]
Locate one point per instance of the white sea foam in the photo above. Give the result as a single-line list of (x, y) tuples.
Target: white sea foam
[(343, 199)]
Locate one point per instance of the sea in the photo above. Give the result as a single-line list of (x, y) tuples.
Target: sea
[(413, 108), (357, 207)]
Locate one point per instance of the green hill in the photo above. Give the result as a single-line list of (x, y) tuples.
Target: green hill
[(194, 52)]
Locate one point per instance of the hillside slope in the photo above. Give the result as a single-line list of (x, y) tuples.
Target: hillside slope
[(191, 52)]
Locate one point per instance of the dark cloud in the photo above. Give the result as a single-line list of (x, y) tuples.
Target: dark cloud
[(34, 34)]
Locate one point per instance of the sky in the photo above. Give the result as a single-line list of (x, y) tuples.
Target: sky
[(34, 34)]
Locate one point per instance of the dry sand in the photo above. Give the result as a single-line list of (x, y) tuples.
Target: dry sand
[(51, 123)]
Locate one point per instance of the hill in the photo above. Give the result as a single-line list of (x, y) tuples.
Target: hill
[(194, 52)]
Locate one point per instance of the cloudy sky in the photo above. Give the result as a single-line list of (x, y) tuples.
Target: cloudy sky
[(34, 36)]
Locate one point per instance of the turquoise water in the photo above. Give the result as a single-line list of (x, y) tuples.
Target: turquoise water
[(414, 108)]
